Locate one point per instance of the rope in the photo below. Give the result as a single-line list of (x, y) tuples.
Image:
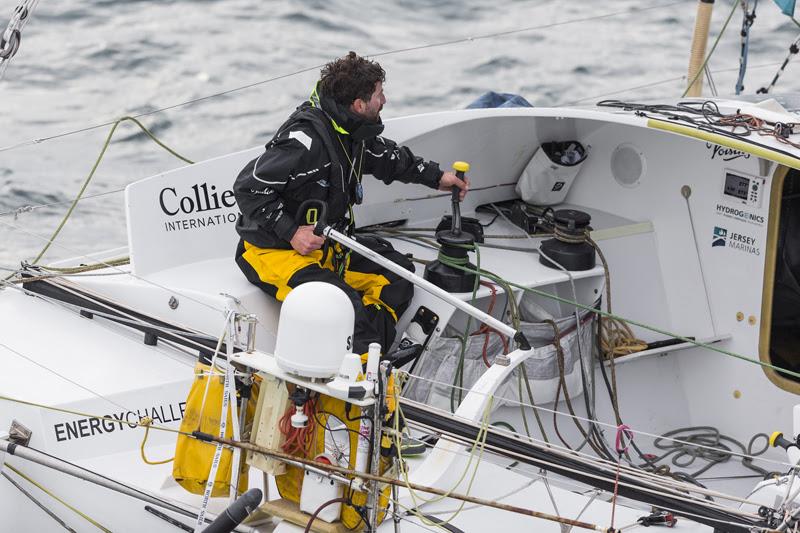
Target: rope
[(94, 169), (659, 488), (621, 447), (713, 47), (169, 290), (146, 422), (606, 424), (707, 117), (83, 515), (67, 271), (628, 321), (317, 67), (279, 455)]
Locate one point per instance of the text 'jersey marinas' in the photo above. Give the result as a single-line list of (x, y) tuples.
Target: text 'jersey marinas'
[(319, 153)]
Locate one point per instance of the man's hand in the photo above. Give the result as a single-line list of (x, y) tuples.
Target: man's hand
[(304, 240), (449, 179)]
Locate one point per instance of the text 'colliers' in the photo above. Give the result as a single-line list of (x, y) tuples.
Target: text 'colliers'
[(203, 198)]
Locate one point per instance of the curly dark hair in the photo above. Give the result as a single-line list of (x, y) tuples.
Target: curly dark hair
[(350, 77)]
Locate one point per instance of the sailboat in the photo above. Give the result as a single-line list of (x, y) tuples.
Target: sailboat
[(535, 403)]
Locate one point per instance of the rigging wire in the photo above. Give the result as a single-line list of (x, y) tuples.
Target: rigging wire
[(38, 504), (60, 500), (656, 83), (170, 290), (749, 16), (94, 169), (61, 376), (317, 67), (29, 208), (793, 50), (11, 38)]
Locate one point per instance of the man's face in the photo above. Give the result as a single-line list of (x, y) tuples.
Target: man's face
[(371, 109)]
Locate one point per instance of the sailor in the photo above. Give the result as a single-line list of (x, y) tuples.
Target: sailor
[(321, 152)]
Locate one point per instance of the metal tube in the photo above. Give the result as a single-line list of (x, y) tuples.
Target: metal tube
[(64, 467), (395, 500), (373, 498), (419, 281)]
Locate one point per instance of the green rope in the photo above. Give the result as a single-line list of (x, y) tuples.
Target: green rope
[(94, 169), (450, 260), (713, 47), (458, 379), (604, 314)]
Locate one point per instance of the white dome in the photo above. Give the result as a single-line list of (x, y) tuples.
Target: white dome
[(315, 330)]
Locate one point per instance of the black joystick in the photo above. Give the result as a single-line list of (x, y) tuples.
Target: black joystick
[(455, 245)]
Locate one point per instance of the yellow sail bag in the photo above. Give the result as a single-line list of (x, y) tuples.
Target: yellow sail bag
[(193, 457)]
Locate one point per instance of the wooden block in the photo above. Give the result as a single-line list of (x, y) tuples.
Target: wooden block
[(291, 512), (273, 400)]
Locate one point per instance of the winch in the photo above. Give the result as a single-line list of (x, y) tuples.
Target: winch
[(569, 247), (455, 245)]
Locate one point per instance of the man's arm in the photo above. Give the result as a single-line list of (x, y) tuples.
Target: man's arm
[(288, 162), (389, 162)]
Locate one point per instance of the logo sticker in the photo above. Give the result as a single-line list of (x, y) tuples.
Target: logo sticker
[(734, 240), (719, 236), (725, 154), (740, 214), (200, 207)]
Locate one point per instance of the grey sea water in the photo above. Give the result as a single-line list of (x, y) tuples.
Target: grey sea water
[(84, 63)]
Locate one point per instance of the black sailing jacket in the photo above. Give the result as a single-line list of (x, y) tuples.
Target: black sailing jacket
[(307, 159)]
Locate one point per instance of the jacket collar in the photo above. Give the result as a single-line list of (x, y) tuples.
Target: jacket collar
[(343, 120)]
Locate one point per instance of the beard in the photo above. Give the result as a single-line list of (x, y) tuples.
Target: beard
[(374, 116)]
